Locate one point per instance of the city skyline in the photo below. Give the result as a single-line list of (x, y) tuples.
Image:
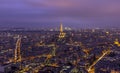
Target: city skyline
[(72, 13)]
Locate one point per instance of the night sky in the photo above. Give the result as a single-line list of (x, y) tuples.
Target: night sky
[(50, 13)]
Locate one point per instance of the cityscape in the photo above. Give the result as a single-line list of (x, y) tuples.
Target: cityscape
[(59, 36), (63, 51)]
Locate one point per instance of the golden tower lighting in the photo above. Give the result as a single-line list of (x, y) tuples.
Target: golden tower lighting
[(62, 34)]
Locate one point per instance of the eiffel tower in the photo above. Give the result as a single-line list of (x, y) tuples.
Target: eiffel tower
[(62, 34)]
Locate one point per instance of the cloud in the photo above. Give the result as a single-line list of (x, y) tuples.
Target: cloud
[(54, 11)]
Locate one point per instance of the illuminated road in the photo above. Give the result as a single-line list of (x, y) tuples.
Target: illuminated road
[(36, 69), (90, 68)]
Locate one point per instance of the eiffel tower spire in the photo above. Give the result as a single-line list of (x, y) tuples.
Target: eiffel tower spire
[(61, 28)]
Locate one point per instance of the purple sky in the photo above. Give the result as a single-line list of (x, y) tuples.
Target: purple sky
[(50, 13)]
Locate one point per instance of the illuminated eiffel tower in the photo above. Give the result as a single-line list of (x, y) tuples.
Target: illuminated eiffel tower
[(62, 34)]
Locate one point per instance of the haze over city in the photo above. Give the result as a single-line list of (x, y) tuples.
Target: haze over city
[(59, 36), (50, 13)]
